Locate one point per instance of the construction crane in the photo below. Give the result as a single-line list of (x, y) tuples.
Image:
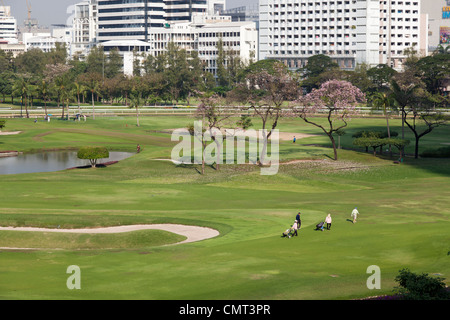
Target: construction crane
[(29, 15), (7, 13), (29, 10)]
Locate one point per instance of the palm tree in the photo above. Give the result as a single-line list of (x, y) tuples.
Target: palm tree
[(136, 101), (384, 101), (44, 90), (442, 50), (403, 96), (92, 82), (62, 86), (66, 96), (79, 90), (21, 89)]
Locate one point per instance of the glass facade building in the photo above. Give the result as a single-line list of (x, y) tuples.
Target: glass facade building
[(133, 19)]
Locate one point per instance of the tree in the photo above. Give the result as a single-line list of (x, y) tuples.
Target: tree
[(338, 98), (59, 79), (417, 106), (66, 96), (62, 85), (93, 154), (420, 286), (269, 65), (265, 94), (7, 79), (215, 119), (96, 61), (314, 68), (434, 70), (340, 133), (400, 144), (21, 88), (136, 101), (114, 63), (383, 101), (359, 78), (92, 83), (222, 76), (58, 54), (381, 76), (32, 62), (404, 87), (44, 91), (177, 73), (2, 124), (422, 113), (199, 134), (372, 140), (79, 89)]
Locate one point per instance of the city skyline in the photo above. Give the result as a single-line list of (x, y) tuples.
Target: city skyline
[(58, 14)]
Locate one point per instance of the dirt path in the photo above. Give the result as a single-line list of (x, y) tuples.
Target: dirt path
[(192, 233)]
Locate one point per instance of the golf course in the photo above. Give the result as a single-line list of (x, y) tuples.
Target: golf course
[(404, 219)]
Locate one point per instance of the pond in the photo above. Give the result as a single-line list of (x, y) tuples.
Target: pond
[(51, 161)]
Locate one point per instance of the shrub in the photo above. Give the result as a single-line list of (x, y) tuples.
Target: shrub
[(377, 134), (421, 287), (2, 124), (443, 152), (93, 154), (370, 142)]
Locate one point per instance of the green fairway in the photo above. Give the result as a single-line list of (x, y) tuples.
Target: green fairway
[(404, 217)]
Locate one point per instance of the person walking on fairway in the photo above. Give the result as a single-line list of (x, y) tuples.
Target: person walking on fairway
[(299, 221), (328, 221), (354, 214), (295, 228)]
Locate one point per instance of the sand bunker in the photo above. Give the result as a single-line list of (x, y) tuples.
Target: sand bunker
[(9, 133), (192, 233)]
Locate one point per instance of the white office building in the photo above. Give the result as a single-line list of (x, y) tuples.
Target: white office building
[(84, 27), (349, 31), (203, 34), (47, 41), (240, 38), (8, 26)]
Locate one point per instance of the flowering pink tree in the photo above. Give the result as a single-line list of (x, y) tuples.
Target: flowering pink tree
[(339, 100)]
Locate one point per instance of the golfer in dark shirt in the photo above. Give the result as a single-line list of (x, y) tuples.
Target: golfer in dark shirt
[(299, 221)]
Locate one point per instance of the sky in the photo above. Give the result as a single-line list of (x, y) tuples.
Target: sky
[(49, 12)]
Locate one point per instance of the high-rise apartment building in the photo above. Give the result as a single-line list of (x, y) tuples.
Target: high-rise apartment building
[(8, 26), (349, 31), (84, 26), (438, 23)]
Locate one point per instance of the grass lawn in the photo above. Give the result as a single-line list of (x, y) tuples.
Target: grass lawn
[(404, 220)]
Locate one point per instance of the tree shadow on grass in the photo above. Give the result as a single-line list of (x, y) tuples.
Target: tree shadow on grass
[(189, 166)]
